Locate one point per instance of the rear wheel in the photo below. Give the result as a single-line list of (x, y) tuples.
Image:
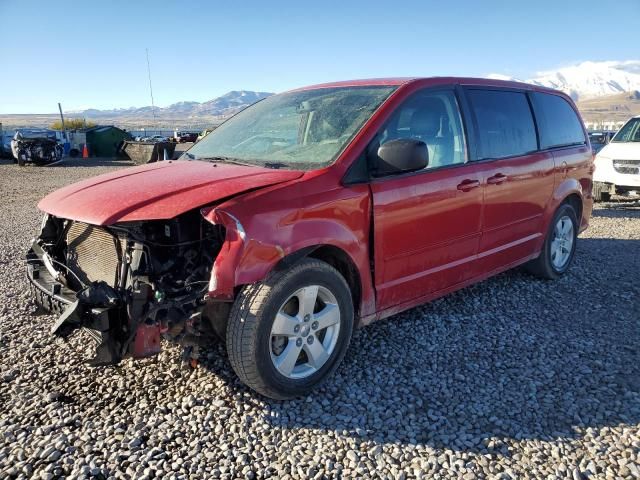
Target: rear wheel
[(559, 246), (289, 333)]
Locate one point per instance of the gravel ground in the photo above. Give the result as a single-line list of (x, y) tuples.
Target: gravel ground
[(511, 378)]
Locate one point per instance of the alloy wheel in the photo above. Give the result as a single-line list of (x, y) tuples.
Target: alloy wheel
[(562, 242), (305, 332)]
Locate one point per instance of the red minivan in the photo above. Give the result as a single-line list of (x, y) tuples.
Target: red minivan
[(312, 212)]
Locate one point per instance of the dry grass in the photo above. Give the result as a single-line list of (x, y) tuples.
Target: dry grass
[(619, 107)]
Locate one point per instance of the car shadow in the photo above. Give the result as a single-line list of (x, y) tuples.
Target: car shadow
[(513, 357), (630, 209), (93, 162)]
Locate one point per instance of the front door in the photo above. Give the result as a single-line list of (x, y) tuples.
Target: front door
[(427, 224)]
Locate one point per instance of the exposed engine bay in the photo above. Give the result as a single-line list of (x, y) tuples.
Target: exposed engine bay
[(127, 285), (36, 150)]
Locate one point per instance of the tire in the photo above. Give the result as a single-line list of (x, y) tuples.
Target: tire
[(548, 264), (598, 194), (255, 351)]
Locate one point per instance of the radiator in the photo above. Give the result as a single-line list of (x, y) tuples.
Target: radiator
[(93, 253)]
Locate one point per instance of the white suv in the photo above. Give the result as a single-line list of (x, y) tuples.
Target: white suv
[(618, 164)]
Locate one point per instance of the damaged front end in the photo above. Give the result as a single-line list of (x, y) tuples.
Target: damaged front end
[(127, 285), (37, 150)]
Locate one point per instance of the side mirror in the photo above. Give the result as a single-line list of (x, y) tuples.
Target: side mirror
[(399, 156)]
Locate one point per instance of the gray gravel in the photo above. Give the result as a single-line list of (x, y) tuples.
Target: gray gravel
[(511, 378)]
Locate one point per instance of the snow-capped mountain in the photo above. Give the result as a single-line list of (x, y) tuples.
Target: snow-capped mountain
[(226, 104), (589, 79), (230, 102)]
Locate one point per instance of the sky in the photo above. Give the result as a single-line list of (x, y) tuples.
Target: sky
[(92, 54)]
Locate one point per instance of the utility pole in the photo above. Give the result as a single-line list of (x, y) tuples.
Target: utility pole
[(64, 129), (153, 107)]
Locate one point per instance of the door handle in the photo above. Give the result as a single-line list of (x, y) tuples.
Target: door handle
[(467, 185), (497, 179)]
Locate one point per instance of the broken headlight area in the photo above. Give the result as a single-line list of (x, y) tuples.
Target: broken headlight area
[(127, 285), (38, 150)]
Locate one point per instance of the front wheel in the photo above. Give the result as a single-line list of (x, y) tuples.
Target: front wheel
[(289, 333), (559, 246)]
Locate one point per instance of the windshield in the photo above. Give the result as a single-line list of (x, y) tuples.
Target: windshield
[(301, 130), (630, 132)]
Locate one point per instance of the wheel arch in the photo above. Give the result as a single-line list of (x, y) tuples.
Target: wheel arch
[(338, 259), (568, 191), (575, 201)]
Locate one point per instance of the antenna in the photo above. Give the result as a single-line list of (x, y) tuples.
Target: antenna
[(153, 107)]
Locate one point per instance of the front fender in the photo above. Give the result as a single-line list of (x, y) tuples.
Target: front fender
[(260, 256), (222, 281), (254, 246)]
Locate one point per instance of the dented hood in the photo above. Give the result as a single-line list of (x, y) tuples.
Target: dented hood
[(156, 191)]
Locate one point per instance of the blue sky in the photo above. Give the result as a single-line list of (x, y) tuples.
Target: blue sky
[(92, 54)]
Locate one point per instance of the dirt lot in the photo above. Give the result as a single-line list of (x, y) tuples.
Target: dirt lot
[(511, 378)]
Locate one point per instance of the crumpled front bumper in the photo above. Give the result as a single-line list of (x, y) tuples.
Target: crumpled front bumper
[(87, 309), (49, 293)]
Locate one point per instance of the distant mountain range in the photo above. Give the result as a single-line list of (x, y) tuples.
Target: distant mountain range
[(607, 90), (582, 81), (227, 104), (589, 79)]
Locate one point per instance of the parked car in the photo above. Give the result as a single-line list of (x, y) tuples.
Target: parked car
[(185, 137), (36, 146), (156, 139), (314, 212), (153, 138), (599, 139), (204, 133), (5, 147), (618, 164)]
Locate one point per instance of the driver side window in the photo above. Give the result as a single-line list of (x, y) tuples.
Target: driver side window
[(432, 117)]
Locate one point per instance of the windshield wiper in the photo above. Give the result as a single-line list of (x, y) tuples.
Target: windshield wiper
[(223, 159), (275, 165)]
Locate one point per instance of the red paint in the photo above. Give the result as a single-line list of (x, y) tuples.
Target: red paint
[(156, 191), (147, 341), (426, 233), (411, 238), (514, 209)]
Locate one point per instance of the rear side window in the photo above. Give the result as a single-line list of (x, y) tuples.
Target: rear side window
[(557, 120), (505, 123)]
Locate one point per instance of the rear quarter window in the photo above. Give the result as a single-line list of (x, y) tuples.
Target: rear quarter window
[(505, 123), (558, 122)]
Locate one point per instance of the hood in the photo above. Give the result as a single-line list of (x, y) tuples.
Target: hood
[(621, 151), (157, 191)]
